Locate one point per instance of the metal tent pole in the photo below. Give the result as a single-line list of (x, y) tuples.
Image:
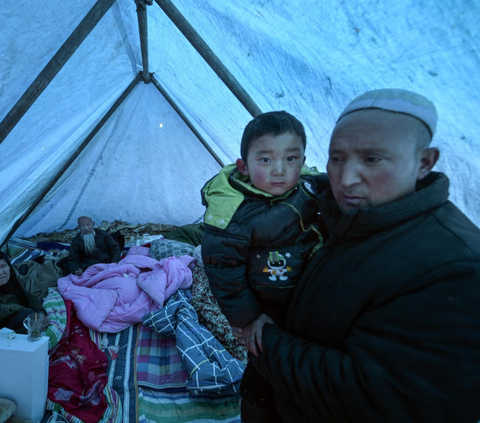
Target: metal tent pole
[(209, 56), (54, 66), (70, 161), (186, 120), (143, 30)]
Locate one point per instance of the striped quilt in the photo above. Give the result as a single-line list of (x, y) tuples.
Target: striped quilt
[(162, 392)]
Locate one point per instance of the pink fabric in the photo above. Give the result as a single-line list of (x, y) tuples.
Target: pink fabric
[(141, 251), (112, 297)]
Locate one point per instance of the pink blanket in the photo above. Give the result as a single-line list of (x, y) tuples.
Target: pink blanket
[(112, 297)]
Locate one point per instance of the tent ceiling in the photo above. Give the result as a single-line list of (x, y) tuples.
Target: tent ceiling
[(309, 58)]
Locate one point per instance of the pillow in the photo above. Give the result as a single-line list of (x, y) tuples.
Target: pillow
[(162, 248)]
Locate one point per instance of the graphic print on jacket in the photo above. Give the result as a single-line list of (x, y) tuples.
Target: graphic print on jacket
[(275, 272), (277, 266)]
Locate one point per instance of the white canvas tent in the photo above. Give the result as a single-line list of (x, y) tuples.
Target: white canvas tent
[(92, 123)]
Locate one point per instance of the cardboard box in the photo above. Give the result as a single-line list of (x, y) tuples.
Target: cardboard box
[(24, 375)]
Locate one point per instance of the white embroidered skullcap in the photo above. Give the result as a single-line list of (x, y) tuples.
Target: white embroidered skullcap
[(396, 100)]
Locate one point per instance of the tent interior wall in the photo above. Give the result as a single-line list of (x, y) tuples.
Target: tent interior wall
[(147, 159)]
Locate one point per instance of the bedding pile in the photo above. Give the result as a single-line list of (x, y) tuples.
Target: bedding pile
[(124, 370), (162, 386), (111, 297)]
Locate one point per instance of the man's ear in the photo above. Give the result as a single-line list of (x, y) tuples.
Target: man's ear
[(428, 158), (242, 167)]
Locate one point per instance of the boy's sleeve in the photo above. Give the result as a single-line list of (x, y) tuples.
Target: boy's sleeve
[(225, 261)]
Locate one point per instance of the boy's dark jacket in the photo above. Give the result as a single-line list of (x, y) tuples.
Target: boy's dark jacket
[(255, 245)]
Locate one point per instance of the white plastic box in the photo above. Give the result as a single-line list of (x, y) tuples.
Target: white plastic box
[(24, 375)]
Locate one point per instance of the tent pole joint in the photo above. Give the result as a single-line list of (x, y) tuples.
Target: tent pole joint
[(146, 80), (142, 4)]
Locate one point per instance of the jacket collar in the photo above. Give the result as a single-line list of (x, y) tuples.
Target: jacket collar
[(431, 192), (224, 193), (244, 184)]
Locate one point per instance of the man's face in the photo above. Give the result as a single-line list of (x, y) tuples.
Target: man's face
[(4, 272), (274, 163), (85, 225), (373, 159)]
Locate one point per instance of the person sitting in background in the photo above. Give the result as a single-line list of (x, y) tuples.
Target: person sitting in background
[(16, 303), (91, 246)]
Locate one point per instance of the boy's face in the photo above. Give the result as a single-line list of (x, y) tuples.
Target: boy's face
[(274, 163)]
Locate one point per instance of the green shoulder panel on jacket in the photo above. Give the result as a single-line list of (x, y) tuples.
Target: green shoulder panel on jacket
[(223, 200), (310, 171)]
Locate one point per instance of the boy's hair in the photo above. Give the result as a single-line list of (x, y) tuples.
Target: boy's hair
[(274, 123)]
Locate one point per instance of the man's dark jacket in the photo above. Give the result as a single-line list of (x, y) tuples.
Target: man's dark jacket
[(106, 251), (384, 325)]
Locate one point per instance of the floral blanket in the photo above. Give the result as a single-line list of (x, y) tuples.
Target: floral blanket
[(210, 315), (77, 387), (77, 372)]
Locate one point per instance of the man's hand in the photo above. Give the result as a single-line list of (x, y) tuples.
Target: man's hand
[(252, 334), (238, 333), (78, 272)]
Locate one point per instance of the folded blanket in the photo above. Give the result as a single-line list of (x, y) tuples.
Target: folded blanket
[(211, 369)]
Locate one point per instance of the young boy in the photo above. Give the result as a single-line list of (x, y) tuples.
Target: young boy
[(261, 227)]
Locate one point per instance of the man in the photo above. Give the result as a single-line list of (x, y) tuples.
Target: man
[(384, 325), (91, 246)]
